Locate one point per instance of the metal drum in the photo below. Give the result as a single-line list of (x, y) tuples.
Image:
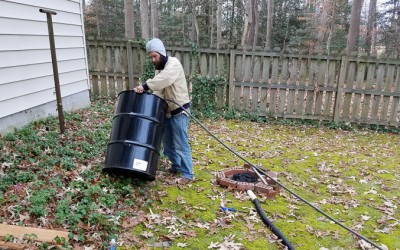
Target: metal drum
[(135, 140)]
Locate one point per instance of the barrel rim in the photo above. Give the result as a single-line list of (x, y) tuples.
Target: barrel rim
[(129, 142), (133, 114), (146, 93)]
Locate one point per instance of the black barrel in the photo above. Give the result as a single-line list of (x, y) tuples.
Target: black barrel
[(135, 141)]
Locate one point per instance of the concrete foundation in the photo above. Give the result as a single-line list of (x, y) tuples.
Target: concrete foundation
[(20, 119)]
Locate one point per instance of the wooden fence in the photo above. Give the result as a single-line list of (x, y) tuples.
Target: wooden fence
[(327, 88)]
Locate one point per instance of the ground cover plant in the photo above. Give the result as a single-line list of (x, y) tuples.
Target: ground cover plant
[(55, 181)]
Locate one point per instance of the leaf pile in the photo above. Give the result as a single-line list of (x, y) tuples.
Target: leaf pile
[(55, 181)]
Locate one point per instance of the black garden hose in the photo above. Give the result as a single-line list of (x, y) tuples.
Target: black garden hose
[(267, 222)]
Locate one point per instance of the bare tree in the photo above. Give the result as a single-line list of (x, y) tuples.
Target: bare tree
[(371, 28), (154, 18), (219, 23), (270, 20), (354, 31), (232, 18), (129, 19), (97, 11), (194, 34), (211, 23), (331, 29), (256, 24), (144, 18), (324, 24), (250, 23), (395, 26)]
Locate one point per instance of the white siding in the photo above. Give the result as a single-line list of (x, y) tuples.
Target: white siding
[(26, 73), (31, 42)]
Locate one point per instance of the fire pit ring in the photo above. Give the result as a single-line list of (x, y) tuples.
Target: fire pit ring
[(224, 179)]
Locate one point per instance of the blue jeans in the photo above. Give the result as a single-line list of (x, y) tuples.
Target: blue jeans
[(176, 144)]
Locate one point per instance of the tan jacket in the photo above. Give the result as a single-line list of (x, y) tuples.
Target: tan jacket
[(170, 84)]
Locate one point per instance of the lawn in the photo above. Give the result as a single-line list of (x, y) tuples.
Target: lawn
[(55, 181)]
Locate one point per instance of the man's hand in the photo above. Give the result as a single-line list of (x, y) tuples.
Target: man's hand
[(139, 89)]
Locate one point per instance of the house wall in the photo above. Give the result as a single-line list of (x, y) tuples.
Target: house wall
[(26, 74)]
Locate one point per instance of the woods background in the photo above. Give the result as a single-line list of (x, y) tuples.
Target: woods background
[(312, 26), (325, 60)]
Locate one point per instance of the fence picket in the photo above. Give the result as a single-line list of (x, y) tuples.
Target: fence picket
[(284, 75), (95, 85), (320, 81), (256, 88), (238, 77), (293, 83), (367, 96), (394, 111), (186, 63), (388, 86), (247, 65), (274, 80), (348, 95), (376, 101), (358, 86), (309, 95), (302, 87), (119, 85), (232, 58), (331, 82)]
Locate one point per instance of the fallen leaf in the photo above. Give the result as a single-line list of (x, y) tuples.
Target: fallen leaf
[(213, 245), (365, 217), (147, 234)]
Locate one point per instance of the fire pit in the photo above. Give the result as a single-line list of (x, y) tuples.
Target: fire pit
[(249, 181)]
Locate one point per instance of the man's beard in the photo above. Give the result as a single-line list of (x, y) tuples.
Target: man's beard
[(160, 65)]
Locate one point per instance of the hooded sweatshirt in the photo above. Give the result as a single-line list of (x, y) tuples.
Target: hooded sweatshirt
[(170, 82)]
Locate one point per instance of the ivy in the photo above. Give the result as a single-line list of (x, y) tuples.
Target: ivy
[(148, 71), (195, 48), (204, 94), (140, 42)]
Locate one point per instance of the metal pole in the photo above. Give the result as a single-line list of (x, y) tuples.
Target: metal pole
[(55, 67)]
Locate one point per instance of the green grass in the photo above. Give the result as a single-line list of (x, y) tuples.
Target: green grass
[(55, 181)]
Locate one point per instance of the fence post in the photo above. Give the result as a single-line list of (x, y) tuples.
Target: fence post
[(340, 89), (131, 83), (231, 79)]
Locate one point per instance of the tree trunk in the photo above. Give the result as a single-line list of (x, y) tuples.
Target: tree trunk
[(322, 25), (371, 27), (154, 18), (331, 28), (97, 9), (129, 19), (354, 31), (232, 20), (270, 19), (219, 23), (194, 33), (395, 27), (256, 24), (250, 24), (144, 18), (211, 29)]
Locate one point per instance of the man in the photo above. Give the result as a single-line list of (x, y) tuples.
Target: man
[(170, 83)]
